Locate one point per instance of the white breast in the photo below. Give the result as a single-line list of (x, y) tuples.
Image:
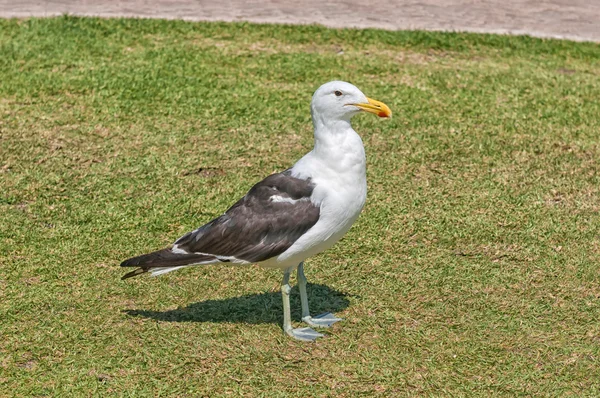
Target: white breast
[(340, 192)]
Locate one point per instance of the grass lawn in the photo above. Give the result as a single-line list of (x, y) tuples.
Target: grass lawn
[(473, 270)]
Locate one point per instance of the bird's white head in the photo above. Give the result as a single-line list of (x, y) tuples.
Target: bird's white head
[(339, 101)]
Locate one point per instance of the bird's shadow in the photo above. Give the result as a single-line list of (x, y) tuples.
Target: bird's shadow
[(251, 308)]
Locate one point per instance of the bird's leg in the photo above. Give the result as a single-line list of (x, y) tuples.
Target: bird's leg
[(303, 295), (304, 334), (285, 294), (322, 321)]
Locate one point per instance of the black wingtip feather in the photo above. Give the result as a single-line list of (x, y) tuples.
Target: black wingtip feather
[(163, 259), (144, 259), (136, 272), (159, 258)]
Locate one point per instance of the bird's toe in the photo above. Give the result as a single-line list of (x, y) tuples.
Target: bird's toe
[(304, 334), (321, 321)]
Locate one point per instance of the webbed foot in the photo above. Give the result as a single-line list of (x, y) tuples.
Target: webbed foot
[(321, 321), (304, 334)]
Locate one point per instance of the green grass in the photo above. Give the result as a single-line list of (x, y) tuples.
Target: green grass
[(473, 270)]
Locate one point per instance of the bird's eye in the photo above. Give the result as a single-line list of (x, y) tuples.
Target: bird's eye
[(337, 93)]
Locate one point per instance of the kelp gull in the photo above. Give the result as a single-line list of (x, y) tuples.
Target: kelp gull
[(292, 215)]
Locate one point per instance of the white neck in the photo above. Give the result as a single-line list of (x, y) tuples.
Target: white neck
[(331, 137), (338, 150), (336, 137)]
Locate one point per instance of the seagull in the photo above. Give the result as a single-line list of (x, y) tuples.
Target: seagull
[(289, 216)]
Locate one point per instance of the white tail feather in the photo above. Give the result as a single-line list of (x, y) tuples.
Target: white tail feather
[(161, 271)]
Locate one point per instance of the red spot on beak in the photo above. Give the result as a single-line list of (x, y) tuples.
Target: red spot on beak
[(382, 114)]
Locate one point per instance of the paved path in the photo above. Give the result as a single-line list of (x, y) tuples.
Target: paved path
[(570, 19)]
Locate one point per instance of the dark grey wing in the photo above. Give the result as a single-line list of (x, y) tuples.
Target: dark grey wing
[(263, 224)]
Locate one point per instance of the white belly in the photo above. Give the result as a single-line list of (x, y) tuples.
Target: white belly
[(340, 206), (337, 167)]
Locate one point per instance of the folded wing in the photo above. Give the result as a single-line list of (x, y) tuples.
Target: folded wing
[(261, 225)]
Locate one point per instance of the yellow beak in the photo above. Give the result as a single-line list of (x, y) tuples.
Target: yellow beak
[(376, 107)]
